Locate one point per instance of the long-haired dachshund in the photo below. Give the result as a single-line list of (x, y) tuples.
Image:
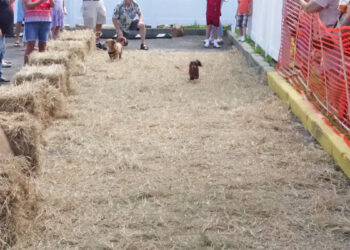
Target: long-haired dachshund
[(194, 70), (115, 49)]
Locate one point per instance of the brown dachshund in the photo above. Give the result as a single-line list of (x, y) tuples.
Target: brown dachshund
[(194, 71), (115, 49), (123, 40), (177, 31)]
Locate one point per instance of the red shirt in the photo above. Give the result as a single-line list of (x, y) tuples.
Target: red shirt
[(243, 6), (41, 13), (213, 7)]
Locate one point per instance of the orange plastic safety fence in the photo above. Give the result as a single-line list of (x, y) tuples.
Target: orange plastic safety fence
[(316, 60)]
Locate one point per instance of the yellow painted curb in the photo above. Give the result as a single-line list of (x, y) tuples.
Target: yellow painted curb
[(330, 141)]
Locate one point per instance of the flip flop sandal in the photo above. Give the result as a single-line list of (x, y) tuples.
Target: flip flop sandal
[(143, 47)]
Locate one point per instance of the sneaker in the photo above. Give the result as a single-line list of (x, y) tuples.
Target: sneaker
[(143, 47), (3, 80), (220, 41), (206, 44), (100, 46), (6, 64), (216, 45), (241, 39)]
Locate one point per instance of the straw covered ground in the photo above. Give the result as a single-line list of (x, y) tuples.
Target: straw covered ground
[(148, 160)]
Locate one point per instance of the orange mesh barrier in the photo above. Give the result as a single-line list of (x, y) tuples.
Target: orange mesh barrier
[(316, 61)]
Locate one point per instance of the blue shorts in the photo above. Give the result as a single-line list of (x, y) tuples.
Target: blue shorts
[(37, 31), (20, 12)]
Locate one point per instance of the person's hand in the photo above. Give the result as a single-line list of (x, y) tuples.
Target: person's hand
[(0, 33), (65, 10), (141, 22), (120, 33)]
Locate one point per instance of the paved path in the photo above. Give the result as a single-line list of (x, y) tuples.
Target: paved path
[(187, 43)]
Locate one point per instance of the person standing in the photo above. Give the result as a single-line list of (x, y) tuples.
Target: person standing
[(38, 19), (220, 30), (94, 14), (57, 13), (213, 20), (20, 19), (244, 10), (124, 20), (326, 9), (6, 22)]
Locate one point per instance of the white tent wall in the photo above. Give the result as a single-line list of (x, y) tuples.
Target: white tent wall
[(266, 25)]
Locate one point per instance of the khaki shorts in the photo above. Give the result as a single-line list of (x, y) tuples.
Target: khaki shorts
[(94, 12)]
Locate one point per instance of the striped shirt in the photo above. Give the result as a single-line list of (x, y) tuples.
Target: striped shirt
[(41, 13)]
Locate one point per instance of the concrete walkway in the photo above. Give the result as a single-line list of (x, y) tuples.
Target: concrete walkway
[(186, 43)]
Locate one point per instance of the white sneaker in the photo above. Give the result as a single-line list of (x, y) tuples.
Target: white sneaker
[(206, 44), (241, 39), (6, 64), (216, 45)]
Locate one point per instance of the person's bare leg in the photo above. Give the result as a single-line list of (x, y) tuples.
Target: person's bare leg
[(209, 26), (98, 32), (215, 33), (241, 31), (29, 49), (142, 30), (244, 31), (42, 46), (18, 31)]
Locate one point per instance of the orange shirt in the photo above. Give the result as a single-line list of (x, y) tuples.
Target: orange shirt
[(243, 6)]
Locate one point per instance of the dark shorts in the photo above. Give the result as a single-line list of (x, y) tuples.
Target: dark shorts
[(37, 31), (214, 20), (242, 20), (134, 25)]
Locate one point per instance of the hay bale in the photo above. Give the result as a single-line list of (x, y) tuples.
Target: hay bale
[(85, 35), (37, 98), (54, 74), (73, 65), (18, 200), (77, 49), (23, 133)]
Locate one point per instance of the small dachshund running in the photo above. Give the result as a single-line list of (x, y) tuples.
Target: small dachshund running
[(194, 71), (115, 49)]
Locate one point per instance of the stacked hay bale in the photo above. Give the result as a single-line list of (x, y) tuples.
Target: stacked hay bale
[(40, 99), (55, 74), (18, 200), (84, 35), (73, 65), (23, 132), (26, 107)]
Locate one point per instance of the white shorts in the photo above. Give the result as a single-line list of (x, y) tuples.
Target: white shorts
[(94, 12)]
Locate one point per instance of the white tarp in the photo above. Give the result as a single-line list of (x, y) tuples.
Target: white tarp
[(266, 25)]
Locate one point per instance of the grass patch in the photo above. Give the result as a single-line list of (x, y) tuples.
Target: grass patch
[(258, 50)]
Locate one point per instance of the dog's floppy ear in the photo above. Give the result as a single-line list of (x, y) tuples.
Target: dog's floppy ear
[(198, 63)]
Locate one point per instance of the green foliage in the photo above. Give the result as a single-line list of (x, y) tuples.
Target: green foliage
[(270, 61), (258, 50)]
